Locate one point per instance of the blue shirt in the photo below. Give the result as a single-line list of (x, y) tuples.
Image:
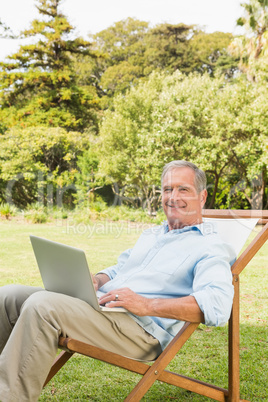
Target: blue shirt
[(171, 264)]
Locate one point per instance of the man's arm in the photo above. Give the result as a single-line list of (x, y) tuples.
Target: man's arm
[(183, 309), (109, 273), (99, 280)]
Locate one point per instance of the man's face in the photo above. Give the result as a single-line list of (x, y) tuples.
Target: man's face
[(181, 202)]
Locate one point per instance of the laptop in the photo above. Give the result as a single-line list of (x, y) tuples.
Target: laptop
[(64, 269)]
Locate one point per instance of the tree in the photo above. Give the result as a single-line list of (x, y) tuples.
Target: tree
[(39, 164), (209, 53), (220, 126), (252, 48), (5, 31), (120, 77), (188, 49), (167, 46), (123, 48), (133, 50), (38, 86), (123, 40)]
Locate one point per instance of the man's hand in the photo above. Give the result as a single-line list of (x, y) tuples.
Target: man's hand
[(183, 308), (128, 299)]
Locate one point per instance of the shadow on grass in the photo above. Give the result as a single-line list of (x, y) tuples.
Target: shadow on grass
[(204, 357)]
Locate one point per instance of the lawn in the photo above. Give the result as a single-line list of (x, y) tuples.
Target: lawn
[(204, 356)]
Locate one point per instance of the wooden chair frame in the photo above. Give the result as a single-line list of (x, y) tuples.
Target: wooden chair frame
[(156, 371)]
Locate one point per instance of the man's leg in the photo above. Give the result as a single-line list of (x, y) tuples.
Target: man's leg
[(12, 298), (32, 346)]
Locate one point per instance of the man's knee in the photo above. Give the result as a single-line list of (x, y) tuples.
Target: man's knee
[(43, 304), (17, 292), (11, 291), (13, 296)]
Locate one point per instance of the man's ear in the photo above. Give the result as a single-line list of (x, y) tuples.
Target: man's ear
[(203, 197)]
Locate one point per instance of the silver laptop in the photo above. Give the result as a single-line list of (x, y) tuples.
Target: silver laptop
[(64, 269)]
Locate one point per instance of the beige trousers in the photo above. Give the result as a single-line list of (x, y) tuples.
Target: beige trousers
[(31, 320)]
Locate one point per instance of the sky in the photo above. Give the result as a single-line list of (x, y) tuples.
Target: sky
[(89, 16)]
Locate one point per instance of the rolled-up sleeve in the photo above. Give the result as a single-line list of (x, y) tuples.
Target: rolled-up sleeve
[(212, 287), (114, 269)]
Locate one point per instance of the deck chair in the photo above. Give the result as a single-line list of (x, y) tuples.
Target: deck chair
[(156, 371)]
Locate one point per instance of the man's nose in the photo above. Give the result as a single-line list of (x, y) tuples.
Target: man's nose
[(175, 194)]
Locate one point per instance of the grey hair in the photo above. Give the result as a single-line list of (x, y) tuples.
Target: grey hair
[(200, 176)]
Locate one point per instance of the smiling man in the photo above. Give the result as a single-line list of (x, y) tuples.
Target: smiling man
[(176, 272), (183, 194)]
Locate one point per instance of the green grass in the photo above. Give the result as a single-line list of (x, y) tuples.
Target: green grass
[(204, 356)]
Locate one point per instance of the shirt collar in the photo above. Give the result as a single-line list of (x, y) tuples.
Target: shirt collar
[(205, 228)]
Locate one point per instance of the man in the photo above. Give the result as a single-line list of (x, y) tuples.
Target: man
[(176, 272)]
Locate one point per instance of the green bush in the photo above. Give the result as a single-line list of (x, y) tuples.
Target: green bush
[(7, 210), (36, 213)]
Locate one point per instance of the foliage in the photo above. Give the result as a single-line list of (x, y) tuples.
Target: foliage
[(36, 213), (39, 163), (120, 77), (209, 53), (133, 50), (87, 182), (95, 210), (5, 31), (167, 47), (99, 211), (38, 85), (252, 48), (188, 49), (123, 45), (7, 210), (172, 92), (220, 126)]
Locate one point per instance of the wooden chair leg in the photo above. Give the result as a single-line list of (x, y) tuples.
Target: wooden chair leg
[(62, 358), (160, 364), (234, 346)]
